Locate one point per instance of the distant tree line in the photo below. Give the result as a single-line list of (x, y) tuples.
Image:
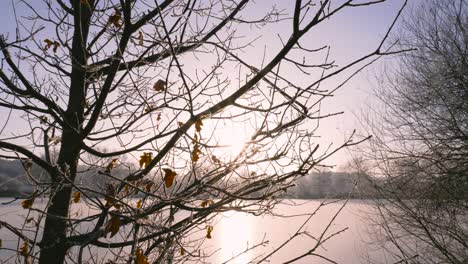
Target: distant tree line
[(327, 184)]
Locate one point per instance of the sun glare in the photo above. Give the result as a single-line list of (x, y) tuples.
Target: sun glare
[(232, 139)]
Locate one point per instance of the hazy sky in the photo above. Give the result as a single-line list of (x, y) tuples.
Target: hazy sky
[(352, 33)]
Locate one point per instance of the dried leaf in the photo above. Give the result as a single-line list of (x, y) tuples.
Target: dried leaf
[(198, 125), (113, 226), (140, 38), (24, 249), (145, 159), (209, 229), (49, 43), (43, 119), (169, 177), (159, 86), (139, 204), (28, 165), (110, 194), (115, 19), (196, 153), (28, 203), (56, 45), (182, 251), (76, 197), (55, 140), (148, 186), (215, 159), (111, 165), (84, 2), (206, 203), (159, 117), (140, 258)]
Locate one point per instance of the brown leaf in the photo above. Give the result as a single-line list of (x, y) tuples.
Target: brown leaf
[(85, 2), (148, 186), (113, 226), (24, 249), (206, 203), (145, 159), (110, 194), (139, 204), (196, 153), (215, 159), (169, 177), (43, 119), (182, 251), (49, 43), (56, 45), (159, 86), (209, 229), (76, 197), (111, 165), (140, 38), (198, 125), (115, 19), (140, 258)]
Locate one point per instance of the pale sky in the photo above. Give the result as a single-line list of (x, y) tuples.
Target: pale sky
[(353, 33)]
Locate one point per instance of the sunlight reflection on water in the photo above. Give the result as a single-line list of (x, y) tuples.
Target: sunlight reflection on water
[(235, 231)]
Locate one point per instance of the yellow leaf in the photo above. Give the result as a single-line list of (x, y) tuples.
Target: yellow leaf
[(169, 177), (140, 258), (140, 38), (76, 197), (198, 125), (111, 165), (139, 204), (145, 159), (28, 203), (24, 249), (196, 153), (209, 229), (159, 86), (113, 226)]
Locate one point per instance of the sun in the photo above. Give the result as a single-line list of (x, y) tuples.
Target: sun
[(232, 139)]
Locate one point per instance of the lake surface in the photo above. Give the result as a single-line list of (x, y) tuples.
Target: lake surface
[(235, 232)]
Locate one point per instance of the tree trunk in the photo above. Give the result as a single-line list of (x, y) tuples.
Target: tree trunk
[(54, 244)]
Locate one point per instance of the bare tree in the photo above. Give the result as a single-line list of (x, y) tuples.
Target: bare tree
[(144, 88), (419, 154)]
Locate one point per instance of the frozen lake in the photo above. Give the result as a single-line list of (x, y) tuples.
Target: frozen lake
[(234, 232)]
